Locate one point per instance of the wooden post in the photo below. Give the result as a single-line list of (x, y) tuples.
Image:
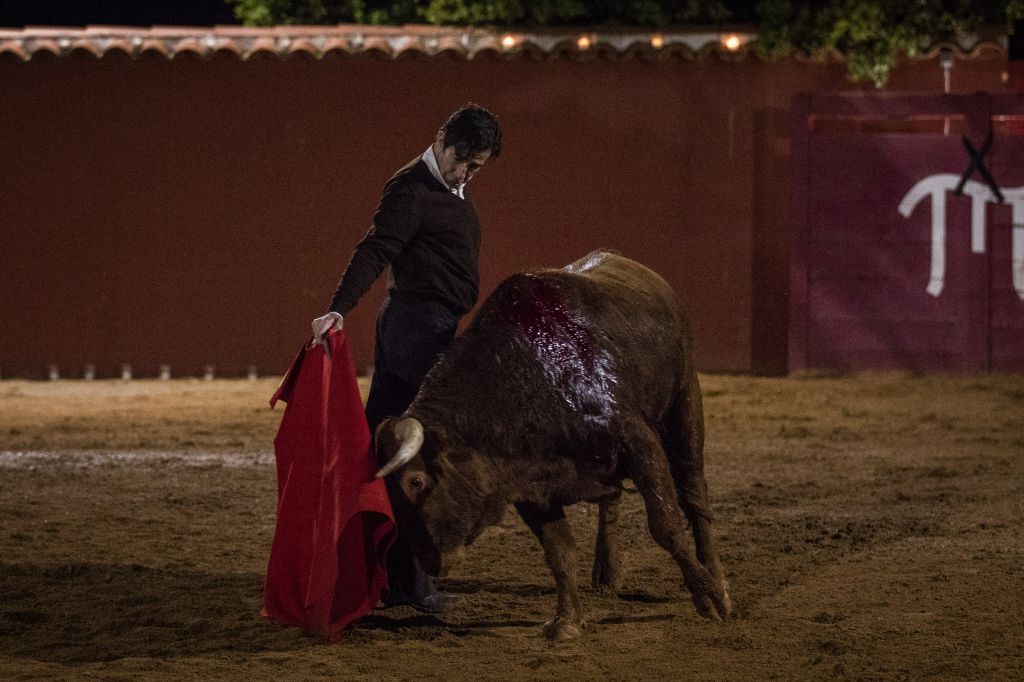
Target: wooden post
[(798, 286)]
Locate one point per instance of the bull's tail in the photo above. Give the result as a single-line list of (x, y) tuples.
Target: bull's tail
[(683, 441), (684, 446)]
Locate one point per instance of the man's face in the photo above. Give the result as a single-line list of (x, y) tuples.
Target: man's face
[(456, 168)]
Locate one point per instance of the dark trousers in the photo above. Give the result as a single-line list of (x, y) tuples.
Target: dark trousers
[(410, 336)]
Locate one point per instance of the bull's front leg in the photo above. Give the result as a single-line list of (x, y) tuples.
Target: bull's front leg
[(649, 469), (606, 573), (552, 529)]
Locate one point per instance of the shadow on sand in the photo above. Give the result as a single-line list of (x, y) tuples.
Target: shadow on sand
[(83, 613), (78, 613)]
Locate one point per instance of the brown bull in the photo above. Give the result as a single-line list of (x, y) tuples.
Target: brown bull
[(566, 382)]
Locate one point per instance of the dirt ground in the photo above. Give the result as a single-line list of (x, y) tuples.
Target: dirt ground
[(870, 527)]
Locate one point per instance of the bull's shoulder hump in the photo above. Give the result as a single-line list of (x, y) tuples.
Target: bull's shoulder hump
[(612, 267), (591, 260), (600, 271)]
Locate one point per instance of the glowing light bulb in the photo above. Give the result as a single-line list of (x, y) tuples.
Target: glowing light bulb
[(657, 41), (583, 42), (508, 42), (731, 42)]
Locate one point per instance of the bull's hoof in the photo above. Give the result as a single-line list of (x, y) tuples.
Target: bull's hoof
[(561, 629), (710, 597), (726, 601)]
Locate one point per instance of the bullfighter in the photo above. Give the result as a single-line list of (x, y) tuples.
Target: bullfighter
[(426, 229)]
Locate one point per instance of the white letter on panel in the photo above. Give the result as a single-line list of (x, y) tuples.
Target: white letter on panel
[(981, 195), (936, 186), (1016, 198)]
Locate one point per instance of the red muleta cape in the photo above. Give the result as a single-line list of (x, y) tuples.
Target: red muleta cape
[(334, 520)]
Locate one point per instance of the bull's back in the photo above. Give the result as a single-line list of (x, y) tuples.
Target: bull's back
[(642, 317), (606, 328), (625, 280)]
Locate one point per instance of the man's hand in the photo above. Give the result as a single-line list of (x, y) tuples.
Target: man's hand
[(322, 325)]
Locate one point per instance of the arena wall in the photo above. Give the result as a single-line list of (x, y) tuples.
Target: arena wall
[(198, 212)]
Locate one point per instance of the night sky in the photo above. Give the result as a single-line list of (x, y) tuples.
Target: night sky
[(17, 13)]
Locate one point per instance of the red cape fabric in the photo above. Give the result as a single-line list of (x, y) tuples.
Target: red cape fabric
[(334, 520)]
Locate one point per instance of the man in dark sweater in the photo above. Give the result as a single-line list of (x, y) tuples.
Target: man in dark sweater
[(427, 231)]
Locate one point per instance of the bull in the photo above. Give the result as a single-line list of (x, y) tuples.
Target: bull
[(566, 382)]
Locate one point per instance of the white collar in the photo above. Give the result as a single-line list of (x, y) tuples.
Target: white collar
[(435, 170)]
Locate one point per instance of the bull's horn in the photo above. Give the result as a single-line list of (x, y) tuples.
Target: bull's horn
[(409, 434)]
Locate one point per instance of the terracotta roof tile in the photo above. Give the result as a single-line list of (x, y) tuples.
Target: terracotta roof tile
[(398, 41), (149, 45), (93, 47)]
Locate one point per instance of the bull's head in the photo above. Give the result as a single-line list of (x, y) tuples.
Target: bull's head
[(446, 491)]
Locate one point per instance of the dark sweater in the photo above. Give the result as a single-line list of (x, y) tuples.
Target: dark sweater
[(430, 238)]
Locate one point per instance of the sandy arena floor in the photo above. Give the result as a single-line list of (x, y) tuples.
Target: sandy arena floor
[(870, 527)]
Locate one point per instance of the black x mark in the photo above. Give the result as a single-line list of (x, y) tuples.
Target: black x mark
[(978, 164)]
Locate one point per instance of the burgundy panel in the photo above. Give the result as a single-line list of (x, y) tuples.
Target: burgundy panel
[(869, 266), (877, 287), (1007, 294)]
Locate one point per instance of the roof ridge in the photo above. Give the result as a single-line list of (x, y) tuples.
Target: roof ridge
[(575, 42)]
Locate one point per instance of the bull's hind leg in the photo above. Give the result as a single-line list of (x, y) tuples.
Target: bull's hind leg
[(684, 446), (552, 529), (606, 573), (650, 471)]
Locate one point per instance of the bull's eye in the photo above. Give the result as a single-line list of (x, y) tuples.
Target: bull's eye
[(416, 483)]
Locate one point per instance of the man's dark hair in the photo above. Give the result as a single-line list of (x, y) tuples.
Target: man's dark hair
[(471, 130)]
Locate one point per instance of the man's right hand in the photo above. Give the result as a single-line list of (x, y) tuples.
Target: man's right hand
[(322, 325)]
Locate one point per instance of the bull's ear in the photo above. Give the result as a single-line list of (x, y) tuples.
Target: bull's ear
[(459, 456), (384, 440), (459, 459), (468, 466), (436, 438)]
